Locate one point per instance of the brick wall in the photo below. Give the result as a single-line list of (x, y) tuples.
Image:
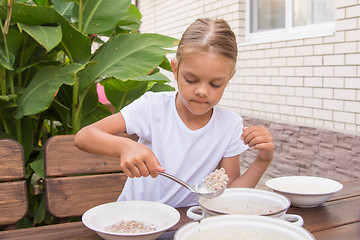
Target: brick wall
[(303, 88)]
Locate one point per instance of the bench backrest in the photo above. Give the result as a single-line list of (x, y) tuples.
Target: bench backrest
[(13, 194), (76, 181)]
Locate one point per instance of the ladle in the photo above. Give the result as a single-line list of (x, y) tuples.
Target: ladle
[(199, 188)]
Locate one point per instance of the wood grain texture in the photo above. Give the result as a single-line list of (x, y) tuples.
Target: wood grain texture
[(11, 160), (63, 158), (72, 196), (13, 202)]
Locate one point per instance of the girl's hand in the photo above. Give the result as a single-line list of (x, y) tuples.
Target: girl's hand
[(259, 138), (139, 161)]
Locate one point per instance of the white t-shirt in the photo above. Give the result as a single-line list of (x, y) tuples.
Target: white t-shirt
[(190, 155)]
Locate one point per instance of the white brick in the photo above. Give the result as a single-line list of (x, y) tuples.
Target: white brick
[(295, 61), (333, 82), (350, 47), (303, 112), (287, 91), (295, 81), (323, 93), (313, 60), (352, 59), (353, 35), (313, 82), (273, 90), (287, 109), (346, 24), (324, 49), (338, 37), (304, 71), (340, 13), (323, 114), (338, 125), (278, 61), (287, 71), (353, 11), (304, 51), (323, 71), (313, 102), (334, 59), (352, 106), (333, 104), (278, 81), (345, 71), (265, 62), (272, 53), (287, 52), (344, 3), (278, 99), (344, 117), (304, 92), (352, 83), (312, 41), (344, 94), (294, 101)]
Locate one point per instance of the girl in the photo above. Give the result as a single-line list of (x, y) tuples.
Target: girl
[(183, 133)]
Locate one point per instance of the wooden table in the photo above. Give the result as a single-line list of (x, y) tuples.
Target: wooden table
[(337, 219)]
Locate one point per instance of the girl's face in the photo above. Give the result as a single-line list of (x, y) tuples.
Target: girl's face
[(201, 80)]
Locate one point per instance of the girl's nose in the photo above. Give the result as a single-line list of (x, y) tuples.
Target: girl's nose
[(201, 90)]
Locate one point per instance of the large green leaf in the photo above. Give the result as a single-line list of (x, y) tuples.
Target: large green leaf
[(95, 115), (64, 8), (74, 43), (48, 36), (102, 15), (6, 59), (42, 89), (131, 20), (121, 93), (127, 56)]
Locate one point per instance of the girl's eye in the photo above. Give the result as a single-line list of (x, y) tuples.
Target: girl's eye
[(215, 85), (189, 81)]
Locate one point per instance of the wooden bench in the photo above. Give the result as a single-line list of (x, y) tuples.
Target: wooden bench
[(76, 181), (13, 194)]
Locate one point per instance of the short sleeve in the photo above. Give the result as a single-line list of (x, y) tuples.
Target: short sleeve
[(236, 145), (135, 115)]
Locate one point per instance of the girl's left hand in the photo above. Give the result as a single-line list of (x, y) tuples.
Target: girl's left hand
[(259, 138)]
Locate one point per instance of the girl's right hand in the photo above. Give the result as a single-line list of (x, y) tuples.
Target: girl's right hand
[(137, 160)]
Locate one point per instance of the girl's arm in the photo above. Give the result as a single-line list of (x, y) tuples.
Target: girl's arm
[(136, 159), (258, 138)]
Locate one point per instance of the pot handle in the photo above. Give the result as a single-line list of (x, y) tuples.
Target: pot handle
[(193, 213), (293, 218)]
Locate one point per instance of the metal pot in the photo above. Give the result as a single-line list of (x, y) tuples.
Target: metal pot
[(245, 201)]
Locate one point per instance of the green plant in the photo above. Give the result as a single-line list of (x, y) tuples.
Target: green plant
[(48, 73)]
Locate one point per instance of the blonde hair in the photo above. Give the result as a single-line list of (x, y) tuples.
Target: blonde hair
[(208, 35)]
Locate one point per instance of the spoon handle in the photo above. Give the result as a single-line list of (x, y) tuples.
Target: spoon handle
[(178, 181)]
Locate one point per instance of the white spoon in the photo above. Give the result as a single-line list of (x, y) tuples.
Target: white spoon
[(199, 188)]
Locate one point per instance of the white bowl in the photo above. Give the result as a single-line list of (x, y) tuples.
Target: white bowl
[(305, 191), (158, 214), (234, 227)]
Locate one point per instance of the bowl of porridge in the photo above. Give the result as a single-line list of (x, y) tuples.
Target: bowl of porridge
[(305, 191), (135, 220), (241, 227), (246, 201)]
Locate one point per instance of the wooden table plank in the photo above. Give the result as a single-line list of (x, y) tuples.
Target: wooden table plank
[(350, 189), (351, 231), (330, 215), (69, 231)]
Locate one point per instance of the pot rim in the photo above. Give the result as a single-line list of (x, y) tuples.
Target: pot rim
[(282, 210)]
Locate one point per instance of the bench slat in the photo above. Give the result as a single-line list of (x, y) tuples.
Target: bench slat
[(72, 196), (13, 202), (60, 153), (11, 160)]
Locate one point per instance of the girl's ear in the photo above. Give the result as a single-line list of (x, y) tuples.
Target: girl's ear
[(174, 68)]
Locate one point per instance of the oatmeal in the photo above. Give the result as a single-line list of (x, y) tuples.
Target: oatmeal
[(216, 180), (131, 227)]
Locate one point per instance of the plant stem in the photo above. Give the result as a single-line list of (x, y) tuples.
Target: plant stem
[(75, 106), (80, 15), (3, 81)]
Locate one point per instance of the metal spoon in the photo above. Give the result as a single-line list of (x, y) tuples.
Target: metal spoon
[(199, 188)]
